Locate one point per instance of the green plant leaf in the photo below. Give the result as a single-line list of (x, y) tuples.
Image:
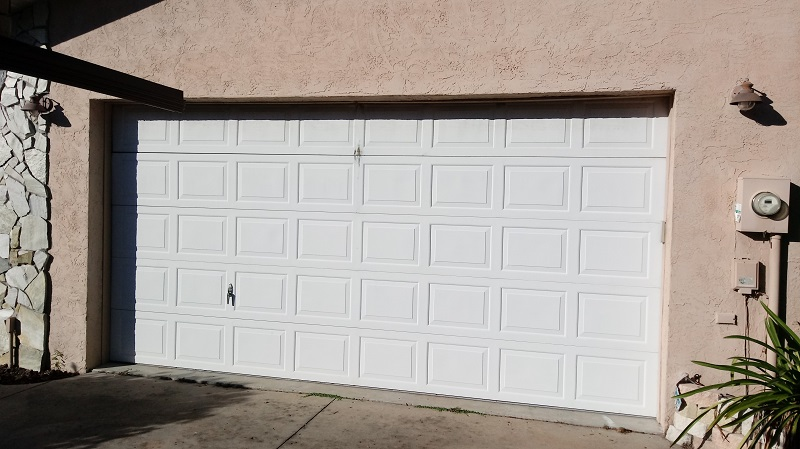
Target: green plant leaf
[(775, 405)]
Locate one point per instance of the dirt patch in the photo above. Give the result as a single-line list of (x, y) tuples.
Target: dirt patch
[(14, 376)]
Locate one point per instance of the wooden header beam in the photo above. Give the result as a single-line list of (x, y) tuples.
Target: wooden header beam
[(33, 61)]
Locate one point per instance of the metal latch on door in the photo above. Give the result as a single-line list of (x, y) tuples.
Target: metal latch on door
[(231, 296)]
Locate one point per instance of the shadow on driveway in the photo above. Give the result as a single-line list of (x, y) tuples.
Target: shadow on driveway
[(94, 410)]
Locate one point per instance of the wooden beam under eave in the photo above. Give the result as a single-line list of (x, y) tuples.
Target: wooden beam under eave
[(56, 67)]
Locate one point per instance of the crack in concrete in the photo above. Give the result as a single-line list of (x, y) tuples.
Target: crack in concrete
[(26, 389), (306, 423)]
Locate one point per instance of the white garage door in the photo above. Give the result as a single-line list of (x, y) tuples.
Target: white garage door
[(504, 252)]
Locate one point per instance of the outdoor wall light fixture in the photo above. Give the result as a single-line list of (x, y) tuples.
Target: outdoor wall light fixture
[(745, 96), (38, 104)]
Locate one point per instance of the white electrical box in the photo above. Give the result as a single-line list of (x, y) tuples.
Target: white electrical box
[(762, 205), (746, 275)]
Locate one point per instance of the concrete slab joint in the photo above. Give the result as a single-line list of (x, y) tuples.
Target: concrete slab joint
[(24, 202)]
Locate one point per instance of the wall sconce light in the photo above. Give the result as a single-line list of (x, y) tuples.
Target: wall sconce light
[(38, 104), (745, 97)]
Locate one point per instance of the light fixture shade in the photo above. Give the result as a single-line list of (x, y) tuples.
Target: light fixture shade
[(744, 94)]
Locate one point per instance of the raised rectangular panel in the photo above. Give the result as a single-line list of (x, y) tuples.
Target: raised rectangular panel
[(321, 353), (623, 126), (323, 296), (262, 182), (261, 237), (263, 132), (393, 132), (201, 288), (388, 359), (393, 243), (461, 186), (152, 131), (326, 240), (615, 317), (616, 189), (151, 336), (258, 348), (389, 301), (202, 235), (326, 132), (326, 183), (396, 185), (151, 284), (202, 180), (539, 188), (260, 292), (610, 380), (614, 253), (528, 249), (459, 306), (203, 131), (537, 132), (152, 179), (533, 373), (466, 246), (463, 132), (533, 311), (199, 342), (457, 366), (152, 232), (616, 130)]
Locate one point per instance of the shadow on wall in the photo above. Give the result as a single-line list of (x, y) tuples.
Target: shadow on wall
[(87, 411), (765, 115), (82, 16)]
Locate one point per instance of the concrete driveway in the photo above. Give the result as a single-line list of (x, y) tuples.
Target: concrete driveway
[(100, 410)]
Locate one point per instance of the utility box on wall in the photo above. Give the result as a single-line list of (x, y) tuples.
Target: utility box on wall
[(762, 205)]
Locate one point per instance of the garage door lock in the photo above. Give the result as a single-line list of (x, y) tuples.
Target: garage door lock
[(231, 296)]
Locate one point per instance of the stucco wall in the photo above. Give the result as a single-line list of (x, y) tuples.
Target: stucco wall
[(249, 50)]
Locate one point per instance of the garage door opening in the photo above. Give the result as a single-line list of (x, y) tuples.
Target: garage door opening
[(505, 252)]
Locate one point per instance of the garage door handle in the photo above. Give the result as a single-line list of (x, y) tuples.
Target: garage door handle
[(231, 296)]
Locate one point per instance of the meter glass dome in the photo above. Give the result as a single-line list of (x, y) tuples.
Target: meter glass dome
[(766, 204)]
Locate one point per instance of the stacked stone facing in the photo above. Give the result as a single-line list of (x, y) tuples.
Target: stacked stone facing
[(24, 203)]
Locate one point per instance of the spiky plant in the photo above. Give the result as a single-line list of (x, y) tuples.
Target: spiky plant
[(775, 403)]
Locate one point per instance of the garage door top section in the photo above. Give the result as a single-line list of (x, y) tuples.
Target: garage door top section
[(586, 129)]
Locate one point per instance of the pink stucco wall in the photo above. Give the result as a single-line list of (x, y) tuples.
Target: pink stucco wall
[(248, 50)]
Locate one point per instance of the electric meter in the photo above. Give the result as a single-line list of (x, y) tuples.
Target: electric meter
[(766, 204)]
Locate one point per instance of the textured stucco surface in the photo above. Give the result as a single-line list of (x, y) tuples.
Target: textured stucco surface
[(268, 50)]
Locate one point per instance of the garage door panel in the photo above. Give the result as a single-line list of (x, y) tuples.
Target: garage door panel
[(392, 185), (593, 130), (629, 190), (557, 375), (262, 182), (543, 312), (503, 252), (259, 348), (396, 133), (548, 250), (205, 181), (539, 132)]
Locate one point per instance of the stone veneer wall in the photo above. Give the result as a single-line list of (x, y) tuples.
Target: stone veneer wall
[(24, 204)]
